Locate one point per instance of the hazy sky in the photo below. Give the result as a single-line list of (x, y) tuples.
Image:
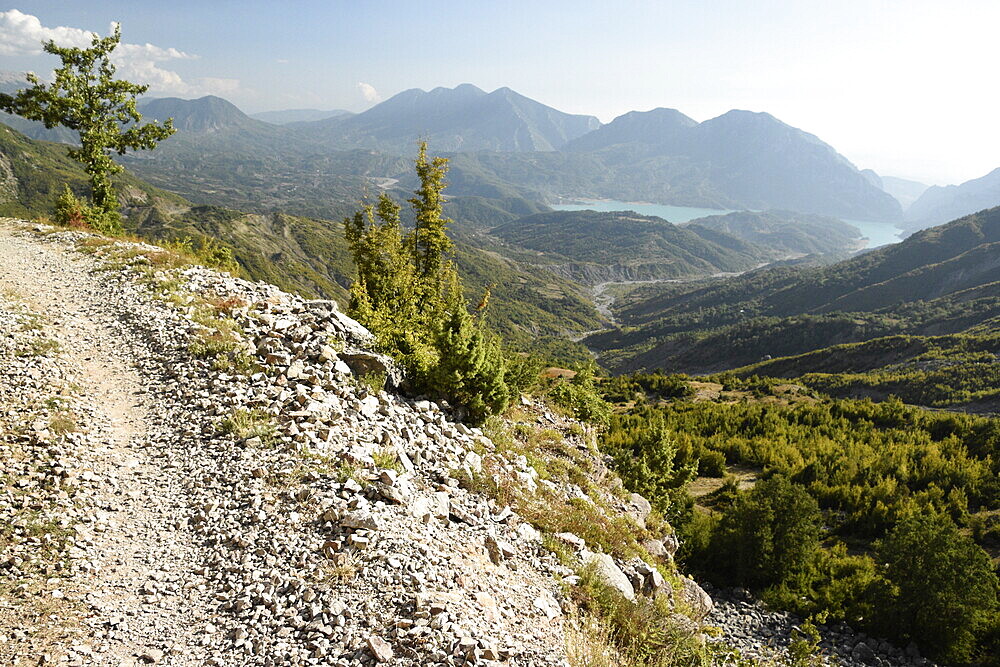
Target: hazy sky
[(906, 87)]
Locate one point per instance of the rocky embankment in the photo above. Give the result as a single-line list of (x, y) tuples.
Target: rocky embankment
[(760, 634), (283, 514)]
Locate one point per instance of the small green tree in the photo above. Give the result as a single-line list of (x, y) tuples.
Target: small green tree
[(430, 233), (646, 458), (408, 293), (471, 367), (942, 588), (85, 97)]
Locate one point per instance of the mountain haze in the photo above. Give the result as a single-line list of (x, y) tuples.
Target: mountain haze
[(287, 116), (939, 204), (740, 160), (504, 146), (904, 190), (464, 118), (205, 114), (659, 126), (750, 158)]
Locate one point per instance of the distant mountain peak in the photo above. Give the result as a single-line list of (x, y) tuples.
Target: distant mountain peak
[(463, 118), (204, 114), (937, 204)]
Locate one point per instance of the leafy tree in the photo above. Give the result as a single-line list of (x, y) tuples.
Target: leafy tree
[(942, 589), (408, 293), (86, 97), (769, 535)]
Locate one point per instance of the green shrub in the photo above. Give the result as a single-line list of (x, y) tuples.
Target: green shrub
[(471, 366), (581, 397), (69, 210), (644, 455), (769, 536), (72, 211), (711, 463), (941, 588)]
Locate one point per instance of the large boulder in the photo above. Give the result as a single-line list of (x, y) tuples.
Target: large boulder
[(696, 598), (362, 362), (639, 509), (349, 329), (610, 574)]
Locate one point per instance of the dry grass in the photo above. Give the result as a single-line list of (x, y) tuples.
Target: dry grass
[(63, 422), (588, 643), (246, 424)]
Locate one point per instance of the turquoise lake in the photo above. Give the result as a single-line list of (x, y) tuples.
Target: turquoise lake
[(878, 233)]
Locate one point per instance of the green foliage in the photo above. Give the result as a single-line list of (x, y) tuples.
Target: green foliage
[(69, 210), (471, 366), (430, 236), (206, 251), (645, 458), (769, 535), (580, 396), (74, 212), (869, 464), (523, 372), (941, 587), (85, 97), (623, 388), (885, 480), (410, 296), (803, 651), (246, 424)]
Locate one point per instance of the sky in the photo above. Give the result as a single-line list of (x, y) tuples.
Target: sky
[(905, 87)]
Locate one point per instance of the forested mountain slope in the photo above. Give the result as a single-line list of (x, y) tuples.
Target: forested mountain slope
[(940, 280)]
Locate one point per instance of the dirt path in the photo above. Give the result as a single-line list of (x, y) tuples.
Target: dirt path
[(135, 590)]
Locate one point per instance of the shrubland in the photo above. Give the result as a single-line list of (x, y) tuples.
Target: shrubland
[(859, 511)]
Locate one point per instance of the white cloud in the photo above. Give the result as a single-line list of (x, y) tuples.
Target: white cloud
[(22, 34), (282, 61), (368, 92)]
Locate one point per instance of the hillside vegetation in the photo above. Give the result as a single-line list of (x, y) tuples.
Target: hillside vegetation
[(301, 254), (624, 245), (877, 514)]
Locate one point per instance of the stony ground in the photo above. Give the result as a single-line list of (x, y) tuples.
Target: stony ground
[(284, 514), (761, 634)]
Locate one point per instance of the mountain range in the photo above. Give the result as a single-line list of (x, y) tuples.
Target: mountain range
[(464, 118), (502, 145)]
